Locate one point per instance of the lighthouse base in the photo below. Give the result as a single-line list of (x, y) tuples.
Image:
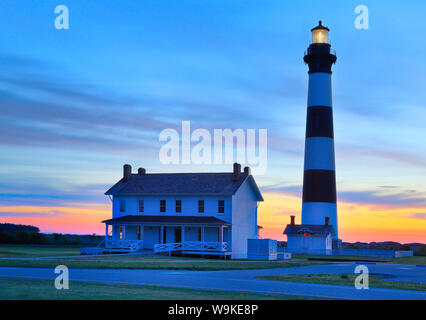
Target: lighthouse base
[(315, 213)]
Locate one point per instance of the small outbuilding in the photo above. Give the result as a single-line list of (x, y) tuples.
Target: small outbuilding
[(261, 249), (309, 238)]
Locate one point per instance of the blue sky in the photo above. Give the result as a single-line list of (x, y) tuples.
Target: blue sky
[(76, 104)]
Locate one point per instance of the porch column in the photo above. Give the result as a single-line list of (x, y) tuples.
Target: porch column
[(106, 232), (202, 233), (221, 234), (183, 234), (124, 232), (162, 234)]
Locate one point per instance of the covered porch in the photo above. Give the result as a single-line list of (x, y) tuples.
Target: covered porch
[(168, 234)]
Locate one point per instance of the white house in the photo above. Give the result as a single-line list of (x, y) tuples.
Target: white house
[(309, 238), (189, 213)]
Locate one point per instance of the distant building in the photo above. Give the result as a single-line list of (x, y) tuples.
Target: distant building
[(192, 213)]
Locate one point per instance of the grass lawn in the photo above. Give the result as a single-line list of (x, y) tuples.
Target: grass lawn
[(26, 252), (403, 260), (411, 260), (19, 289), (346, 280), (75, 260), (156, 262)]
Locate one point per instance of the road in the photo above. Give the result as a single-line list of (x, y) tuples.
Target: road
[(245, 280)]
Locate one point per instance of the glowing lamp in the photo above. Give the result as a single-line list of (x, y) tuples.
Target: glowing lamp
[(306, 234), (320, 34)]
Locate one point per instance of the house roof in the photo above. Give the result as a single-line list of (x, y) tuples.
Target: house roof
[(309, 228), (131, 219), (220, 183)]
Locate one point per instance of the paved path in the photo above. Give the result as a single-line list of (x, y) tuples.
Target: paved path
[(243, 280)]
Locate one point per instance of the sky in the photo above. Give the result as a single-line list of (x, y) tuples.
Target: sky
[(77, 104)]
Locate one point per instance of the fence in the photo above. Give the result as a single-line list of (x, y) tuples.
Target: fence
[(191, 246)]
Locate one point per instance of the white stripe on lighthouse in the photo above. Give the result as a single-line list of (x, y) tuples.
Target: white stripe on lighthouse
[(315, 213), (319, 91), (319, 153)]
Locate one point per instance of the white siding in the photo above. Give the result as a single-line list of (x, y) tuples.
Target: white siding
[(244, 220), (189, 206), (314, 244), (151, 236)]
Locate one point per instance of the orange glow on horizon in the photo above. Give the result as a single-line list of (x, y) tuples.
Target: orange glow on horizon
[(357, 222)]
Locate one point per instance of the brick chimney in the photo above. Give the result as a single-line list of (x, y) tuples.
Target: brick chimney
[(247, 170), (292, 220), (327, 221), (141, 171), (237, 171), (127, 171)]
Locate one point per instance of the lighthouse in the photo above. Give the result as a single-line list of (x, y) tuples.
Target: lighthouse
[(318, 233), (319, 177)]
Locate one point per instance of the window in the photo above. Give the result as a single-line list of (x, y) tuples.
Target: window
[(121, 232), (162, 205), (122, 205), (200, 206), (221, 206), (141, 206), (178, 205)]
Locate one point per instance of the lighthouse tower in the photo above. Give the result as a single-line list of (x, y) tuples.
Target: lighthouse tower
[(319, 179)]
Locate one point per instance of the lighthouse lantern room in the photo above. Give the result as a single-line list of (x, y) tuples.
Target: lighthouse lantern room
[(320, 34)]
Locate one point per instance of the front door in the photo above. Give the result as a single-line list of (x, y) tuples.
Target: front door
[(178, 234)]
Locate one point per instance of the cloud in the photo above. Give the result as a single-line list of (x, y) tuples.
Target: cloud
[(420, 215), (64, 195), (388, 187), (42, 109), (49, 213), (293, 190), (402, 198)]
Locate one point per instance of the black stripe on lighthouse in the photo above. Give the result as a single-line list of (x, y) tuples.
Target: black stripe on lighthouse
[(319, 122), (319, 186)]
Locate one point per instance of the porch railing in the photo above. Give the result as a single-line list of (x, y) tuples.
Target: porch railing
[(191, 246), (128, 245)]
